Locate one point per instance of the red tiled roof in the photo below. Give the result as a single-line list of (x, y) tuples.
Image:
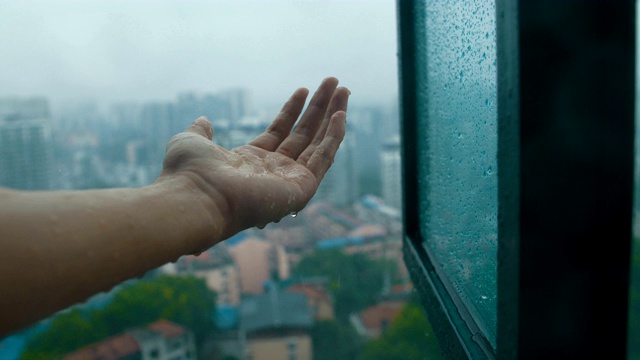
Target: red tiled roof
[(113, 348), (119, 346), (401, 288), (167, 328), (310, 292), (374, 316)]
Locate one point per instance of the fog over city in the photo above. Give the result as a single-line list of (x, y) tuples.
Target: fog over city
[(144, 50)]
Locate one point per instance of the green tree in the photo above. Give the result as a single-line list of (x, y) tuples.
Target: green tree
[(409, 337), (355, 280), (183, 300), (69, 330), (333, 340)]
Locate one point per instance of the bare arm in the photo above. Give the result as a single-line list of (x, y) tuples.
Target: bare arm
[(59, 248)]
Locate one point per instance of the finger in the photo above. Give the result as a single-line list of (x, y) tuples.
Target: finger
[(311, 120), (280, 128), (339, 102), (323, 157), (201, 126)]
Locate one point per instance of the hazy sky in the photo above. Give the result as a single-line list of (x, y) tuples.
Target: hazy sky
[(118, 50)]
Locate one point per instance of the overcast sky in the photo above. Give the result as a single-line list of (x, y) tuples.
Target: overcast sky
[(141, 50)]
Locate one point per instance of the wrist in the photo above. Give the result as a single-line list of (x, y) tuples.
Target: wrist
[(194, 207)]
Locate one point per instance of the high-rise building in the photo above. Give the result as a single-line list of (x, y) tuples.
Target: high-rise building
[(239, 103), (340, 186), (25, 143), (391, 180), (367, 127)]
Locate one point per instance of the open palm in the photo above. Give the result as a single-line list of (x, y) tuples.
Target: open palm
[(275, 174)]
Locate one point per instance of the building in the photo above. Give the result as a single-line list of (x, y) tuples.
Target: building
[(161, 340), (238, 101), (25, 144), (372, 209), (341, 186), (276, 326), (218, 270), (391, 173), (315, 289), (324, 221), (253, 257), (224, 280), (372, 321)]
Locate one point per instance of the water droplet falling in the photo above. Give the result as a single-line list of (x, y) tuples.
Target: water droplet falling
[(294, 214)]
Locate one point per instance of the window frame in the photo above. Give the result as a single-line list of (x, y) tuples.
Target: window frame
[(526, 327)]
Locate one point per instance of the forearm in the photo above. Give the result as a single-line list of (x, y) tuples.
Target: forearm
[(59, 248)]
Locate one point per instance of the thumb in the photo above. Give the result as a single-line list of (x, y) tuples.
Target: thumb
[(201, 126)]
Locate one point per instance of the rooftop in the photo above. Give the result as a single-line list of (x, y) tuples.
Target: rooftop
[(275, 309)]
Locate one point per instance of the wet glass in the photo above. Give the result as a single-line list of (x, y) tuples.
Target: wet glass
[(458, 147)]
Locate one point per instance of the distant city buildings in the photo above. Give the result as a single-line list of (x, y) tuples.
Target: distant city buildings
[(270, 312), (25, 144)]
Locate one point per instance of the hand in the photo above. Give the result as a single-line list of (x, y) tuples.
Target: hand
[(274, 175)]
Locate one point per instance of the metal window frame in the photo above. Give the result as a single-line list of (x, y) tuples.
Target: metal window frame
[(566, 81)]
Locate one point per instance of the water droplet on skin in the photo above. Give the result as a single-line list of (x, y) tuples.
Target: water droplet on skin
[(261, 226), (294, 214)]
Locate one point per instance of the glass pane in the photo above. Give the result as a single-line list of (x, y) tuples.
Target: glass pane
[(458, 203)]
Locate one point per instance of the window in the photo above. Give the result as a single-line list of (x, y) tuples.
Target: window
[(555, 166), (516, 142)]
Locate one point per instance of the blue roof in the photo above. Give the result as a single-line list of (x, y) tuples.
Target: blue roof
[(236, 239), (369, 202), (275, 309), (226, 317), (11, 347), (339, 242)]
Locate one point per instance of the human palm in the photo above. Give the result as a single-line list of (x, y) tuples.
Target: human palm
[(275, 174)]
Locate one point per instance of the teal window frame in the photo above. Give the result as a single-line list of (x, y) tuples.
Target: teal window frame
[(566, 82)]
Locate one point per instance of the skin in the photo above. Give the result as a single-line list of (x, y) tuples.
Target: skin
[(61, 247)]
